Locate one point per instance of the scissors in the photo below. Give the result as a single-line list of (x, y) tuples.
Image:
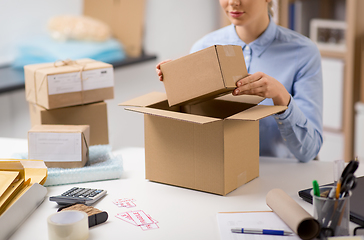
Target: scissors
[(348, 183), (349, 169), (347, 178)]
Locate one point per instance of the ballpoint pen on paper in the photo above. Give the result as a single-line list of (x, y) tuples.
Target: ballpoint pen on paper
[(261, 231)]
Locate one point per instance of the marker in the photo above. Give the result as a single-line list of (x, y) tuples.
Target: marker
[(338, 189), (261, 231), (316, 188)]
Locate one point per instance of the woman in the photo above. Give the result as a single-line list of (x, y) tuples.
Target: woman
[(285, 68)]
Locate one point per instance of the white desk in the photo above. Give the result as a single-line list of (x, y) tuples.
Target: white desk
[(181, 213)]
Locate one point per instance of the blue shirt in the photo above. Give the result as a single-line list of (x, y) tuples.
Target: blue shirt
[(295, 61)]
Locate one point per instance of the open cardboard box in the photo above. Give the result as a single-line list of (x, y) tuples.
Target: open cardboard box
[(211, 146)]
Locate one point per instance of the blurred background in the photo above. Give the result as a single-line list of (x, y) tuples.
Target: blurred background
[(145, 32)]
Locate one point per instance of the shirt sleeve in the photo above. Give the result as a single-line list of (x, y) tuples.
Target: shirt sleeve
[(301, 124)]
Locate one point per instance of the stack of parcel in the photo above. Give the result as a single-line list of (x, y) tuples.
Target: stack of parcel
[(64, 94), (197, 135)]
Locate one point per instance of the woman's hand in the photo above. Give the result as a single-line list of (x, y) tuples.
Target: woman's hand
[(158, 69), (265, 86)]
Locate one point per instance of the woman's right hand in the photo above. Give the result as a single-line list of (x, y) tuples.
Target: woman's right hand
[(158, 69)]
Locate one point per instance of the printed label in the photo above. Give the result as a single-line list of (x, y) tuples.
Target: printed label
[(140, 218), (126, 217), (125, 202), (55, 147), (71, 82), (149, 227)]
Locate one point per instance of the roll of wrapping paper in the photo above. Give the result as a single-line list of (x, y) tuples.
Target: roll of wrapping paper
[(298, 219)]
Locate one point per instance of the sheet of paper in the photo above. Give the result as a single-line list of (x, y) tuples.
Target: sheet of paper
[(261, 220), (71, 82), (50, 147)]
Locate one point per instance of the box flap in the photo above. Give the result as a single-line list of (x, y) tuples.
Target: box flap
[(251, 99), (145, 100), (174, 115), (258, 112), (52, 128)]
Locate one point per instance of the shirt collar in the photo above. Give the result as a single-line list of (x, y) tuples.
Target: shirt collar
[(262, 42)]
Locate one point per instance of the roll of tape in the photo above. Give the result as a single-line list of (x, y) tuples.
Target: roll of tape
[(70, 225)]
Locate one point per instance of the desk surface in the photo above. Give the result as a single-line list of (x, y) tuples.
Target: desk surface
[(181, 213)]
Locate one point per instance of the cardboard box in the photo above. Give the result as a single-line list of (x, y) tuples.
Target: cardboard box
[(28, 198), (203, 75), (59, 146), (211, 146), (93, 114), (56, 85), (125, 18)]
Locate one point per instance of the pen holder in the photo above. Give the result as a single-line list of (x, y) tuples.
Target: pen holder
[(331, 213)]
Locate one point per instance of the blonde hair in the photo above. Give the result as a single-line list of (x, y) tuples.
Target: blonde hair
[(270, 8)]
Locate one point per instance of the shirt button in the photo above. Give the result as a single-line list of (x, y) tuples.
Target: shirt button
[(280, 123), (247, 47)]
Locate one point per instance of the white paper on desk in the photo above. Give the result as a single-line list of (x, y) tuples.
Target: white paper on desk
[(52, 147), (261, 220)]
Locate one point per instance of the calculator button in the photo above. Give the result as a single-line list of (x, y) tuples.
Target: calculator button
[(81, 192), (69, 191), (86, 192), (74, 193), (95, 192)]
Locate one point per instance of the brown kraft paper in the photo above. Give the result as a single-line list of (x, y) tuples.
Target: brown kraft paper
[(298, 219)]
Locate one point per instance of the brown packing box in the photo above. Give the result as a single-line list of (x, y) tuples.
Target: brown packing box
[(56, 85), (125, 18), (211, 146), (59, 146), (93, 114), (203, 75)]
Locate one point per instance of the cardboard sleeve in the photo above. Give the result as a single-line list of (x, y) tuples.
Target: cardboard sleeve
[(300, 221)]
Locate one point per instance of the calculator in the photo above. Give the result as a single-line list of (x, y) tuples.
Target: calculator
[(87, 196)]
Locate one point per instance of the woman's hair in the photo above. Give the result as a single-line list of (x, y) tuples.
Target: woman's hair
[(270, 8)]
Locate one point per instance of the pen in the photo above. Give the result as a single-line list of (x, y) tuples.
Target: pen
[(261, 231), (338, 189), (316, 188)]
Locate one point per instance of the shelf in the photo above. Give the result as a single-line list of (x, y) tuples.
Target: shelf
[(351, 12), (332, 54), (13, 79)]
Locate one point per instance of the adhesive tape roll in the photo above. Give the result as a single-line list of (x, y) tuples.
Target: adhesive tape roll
[(68, 225)]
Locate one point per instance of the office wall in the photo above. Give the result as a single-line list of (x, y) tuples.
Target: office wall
[(171, 26), (21, 19)]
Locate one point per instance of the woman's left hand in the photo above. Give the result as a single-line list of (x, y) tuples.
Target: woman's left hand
[(265, 86)]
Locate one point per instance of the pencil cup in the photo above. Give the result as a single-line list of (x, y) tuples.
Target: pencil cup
[(332, 213)]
